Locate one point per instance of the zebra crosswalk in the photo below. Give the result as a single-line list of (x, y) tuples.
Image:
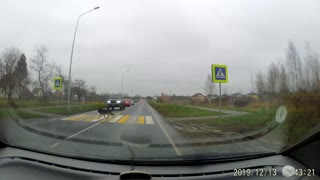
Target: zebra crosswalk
[(119, 119)]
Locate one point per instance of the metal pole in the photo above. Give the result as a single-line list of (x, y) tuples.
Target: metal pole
[(57, 101), (74, 38), (220, 97)]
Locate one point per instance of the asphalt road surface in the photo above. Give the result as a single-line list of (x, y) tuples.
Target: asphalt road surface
[(138, 132), (124, 135)]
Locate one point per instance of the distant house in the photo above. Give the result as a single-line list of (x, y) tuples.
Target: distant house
[(237, 95), (37, 92), (198, 97), (225, 96), (165, 98), (253, 95), (215, 96)]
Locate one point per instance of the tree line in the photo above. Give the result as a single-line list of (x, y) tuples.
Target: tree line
[(291, 74), (17, 83)]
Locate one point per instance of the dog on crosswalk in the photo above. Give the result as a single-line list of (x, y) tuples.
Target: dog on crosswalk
[(104, 112)]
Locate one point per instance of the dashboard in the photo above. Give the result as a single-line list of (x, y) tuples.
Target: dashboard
[(19, 164)]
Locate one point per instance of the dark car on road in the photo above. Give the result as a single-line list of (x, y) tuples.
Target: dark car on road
[(112, 103)]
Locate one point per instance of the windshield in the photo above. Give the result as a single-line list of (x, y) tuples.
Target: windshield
[(159, 80)]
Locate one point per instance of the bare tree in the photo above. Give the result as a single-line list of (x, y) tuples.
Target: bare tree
[(44, 70), (92, 93), (294, 62), (79, 88), (311, 69), (272, 78), (22, 78), (283, 78), (252, 82), (104, 96), (260, 83), (58, 70), (8, 64), (209, 87)]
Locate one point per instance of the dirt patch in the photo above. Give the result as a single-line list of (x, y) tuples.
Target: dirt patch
[(191, 130)]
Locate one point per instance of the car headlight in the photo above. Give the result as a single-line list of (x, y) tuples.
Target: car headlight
[(118, 101), (108, 102)]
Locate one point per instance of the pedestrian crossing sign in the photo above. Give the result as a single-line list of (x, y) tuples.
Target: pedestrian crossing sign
[(219, 73), (57, 83)]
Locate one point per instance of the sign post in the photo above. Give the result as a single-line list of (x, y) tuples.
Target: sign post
[(219, 75), (57, 85), (220, 97)]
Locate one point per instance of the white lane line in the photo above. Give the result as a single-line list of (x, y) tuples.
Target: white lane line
[(83, 130), (115, 119), (149, 120), (56, 144), (166, 133)]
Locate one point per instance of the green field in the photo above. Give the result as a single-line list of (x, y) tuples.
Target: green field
[(38, 103), (254, 107), (74, 109), (300, 120), (178, 111), (21, 114)]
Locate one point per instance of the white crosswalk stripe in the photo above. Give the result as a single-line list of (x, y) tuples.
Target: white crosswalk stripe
[(149, 120), (97, 119), (129, 119), (115, 119)]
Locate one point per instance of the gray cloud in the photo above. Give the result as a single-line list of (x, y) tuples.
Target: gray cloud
[(167, 45)]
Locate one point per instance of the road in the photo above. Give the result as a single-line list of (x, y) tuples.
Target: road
[(138, 132), (135, 127)]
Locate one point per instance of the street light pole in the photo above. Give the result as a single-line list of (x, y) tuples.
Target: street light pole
[(74, 38)]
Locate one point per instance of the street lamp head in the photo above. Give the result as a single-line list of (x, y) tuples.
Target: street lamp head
[(96, 8)]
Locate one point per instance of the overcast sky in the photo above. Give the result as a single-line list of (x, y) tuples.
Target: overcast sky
[(168, 46)]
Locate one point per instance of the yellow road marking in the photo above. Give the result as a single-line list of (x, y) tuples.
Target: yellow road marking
[(123, 120), (104, 120), (140, 120), (71, 117), (78, 117), (92, 118)]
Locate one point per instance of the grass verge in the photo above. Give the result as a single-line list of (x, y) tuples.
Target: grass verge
[(177, 111), (38, 103), (21, 114), (73, 110)]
